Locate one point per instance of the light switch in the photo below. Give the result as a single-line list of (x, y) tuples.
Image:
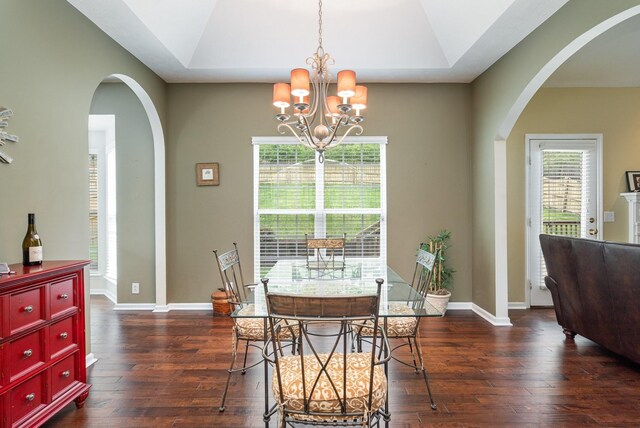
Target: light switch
[(609, 216)]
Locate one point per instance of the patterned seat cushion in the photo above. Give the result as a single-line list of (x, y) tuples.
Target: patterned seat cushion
[(253, 328), (396, 326), (324, 398)]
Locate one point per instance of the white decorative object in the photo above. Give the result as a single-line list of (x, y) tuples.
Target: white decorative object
[(633, 199), (439, 301), (5, 137)]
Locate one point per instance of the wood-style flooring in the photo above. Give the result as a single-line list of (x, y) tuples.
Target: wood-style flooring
[(168, 370)]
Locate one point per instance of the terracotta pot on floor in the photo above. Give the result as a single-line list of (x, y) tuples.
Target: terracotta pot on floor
[(221, 307)]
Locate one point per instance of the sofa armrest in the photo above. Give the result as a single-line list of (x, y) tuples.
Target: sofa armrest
[(552, 285)]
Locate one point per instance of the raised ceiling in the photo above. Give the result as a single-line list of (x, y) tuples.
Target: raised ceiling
[(261, 40)]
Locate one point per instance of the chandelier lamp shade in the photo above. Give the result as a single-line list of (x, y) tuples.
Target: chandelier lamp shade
[(320, 121)]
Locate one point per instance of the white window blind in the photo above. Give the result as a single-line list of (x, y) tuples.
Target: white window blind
[(93, 213), (294, 194), (565, 180)]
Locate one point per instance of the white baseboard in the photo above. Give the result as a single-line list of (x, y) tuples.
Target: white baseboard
[(518, 305), (190, 306), (459, 306), (91, 359), (134, 307), (104, 292), (452, 306), (163, 308), (498, 322)]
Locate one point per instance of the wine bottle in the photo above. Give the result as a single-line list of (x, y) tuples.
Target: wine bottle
[(32, 245)]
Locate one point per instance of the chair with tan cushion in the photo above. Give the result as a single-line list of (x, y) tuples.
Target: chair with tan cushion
[(327, 382), (325, 253), (246, 328), (400, 324)]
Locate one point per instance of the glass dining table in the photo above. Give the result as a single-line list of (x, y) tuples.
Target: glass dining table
[(356, 278)]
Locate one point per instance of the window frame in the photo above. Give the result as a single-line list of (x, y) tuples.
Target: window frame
[(319, 226), (102, 144)]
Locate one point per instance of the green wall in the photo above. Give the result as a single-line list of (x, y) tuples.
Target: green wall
[(613, 112), (428, 175), (52, 62)]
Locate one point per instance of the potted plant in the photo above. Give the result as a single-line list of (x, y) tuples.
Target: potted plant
[(439, 292)]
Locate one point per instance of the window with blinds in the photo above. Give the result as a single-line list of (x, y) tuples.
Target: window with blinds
[(565, 179), (297, 195), (93, 213)]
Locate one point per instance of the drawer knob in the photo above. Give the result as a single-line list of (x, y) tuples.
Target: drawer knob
[(64, 335), (65, 373), (30, 397), (64, 296), (28, 308), (28, 353)]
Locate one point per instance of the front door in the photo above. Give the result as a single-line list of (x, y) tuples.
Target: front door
[(563, 197)]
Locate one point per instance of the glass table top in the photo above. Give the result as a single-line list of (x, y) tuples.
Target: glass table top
[(357, 278)]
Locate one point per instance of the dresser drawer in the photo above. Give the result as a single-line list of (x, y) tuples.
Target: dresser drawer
[(63, 296), (2, 371), (26, 398), (26, 309), (62, 336), (63, 375), (25, 354)]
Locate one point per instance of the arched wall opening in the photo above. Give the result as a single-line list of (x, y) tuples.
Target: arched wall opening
[(156, 253), (506, 126)]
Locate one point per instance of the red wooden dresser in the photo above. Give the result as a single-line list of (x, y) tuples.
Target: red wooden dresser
[(42, 342)]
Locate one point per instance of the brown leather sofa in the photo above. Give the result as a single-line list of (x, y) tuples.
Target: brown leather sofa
[(595, 287)]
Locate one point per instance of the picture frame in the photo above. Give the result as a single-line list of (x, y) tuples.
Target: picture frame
[(208, 174), (633, 181)]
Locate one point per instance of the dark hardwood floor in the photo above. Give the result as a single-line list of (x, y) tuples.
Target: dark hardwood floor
[(168, 370)]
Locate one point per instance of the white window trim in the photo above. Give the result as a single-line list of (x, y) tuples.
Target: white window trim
[(257, 141), (103, 124)]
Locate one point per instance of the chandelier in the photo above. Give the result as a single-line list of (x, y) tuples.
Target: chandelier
[(317, 117)]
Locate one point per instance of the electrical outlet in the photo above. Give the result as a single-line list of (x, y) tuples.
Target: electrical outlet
[(135, 288)]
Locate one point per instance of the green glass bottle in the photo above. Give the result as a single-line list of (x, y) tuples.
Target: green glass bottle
[(32, 245)]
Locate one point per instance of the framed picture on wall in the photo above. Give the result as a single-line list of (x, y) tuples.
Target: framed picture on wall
[(633, 181), (208, 174)]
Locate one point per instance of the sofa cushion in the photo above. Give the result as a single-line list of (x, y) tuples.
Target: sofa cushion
[(623, 269)]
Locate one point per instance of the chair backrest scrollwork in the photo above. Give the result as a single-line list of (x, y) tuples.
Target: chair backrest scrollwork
[(321, 252), (231, 274)]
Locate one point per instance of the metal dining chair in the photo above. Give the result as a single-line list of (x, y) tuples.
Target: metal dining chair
[(321, 252), (399, 326), (327, 382), (247, 329)]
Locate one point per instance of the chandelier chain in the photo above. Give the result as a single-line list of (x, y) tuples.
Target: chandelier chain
[(320, 25)]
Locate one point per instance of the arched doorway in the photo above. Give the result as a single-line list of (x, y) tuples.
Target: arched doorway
[(506, 126), (157, 300)]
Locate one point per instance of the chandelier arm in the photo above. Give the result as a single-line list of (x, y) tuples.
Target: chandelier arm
[(324, 103), (356, 128), (334, 131), (306, 130), (281, 130), (314, 104)]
